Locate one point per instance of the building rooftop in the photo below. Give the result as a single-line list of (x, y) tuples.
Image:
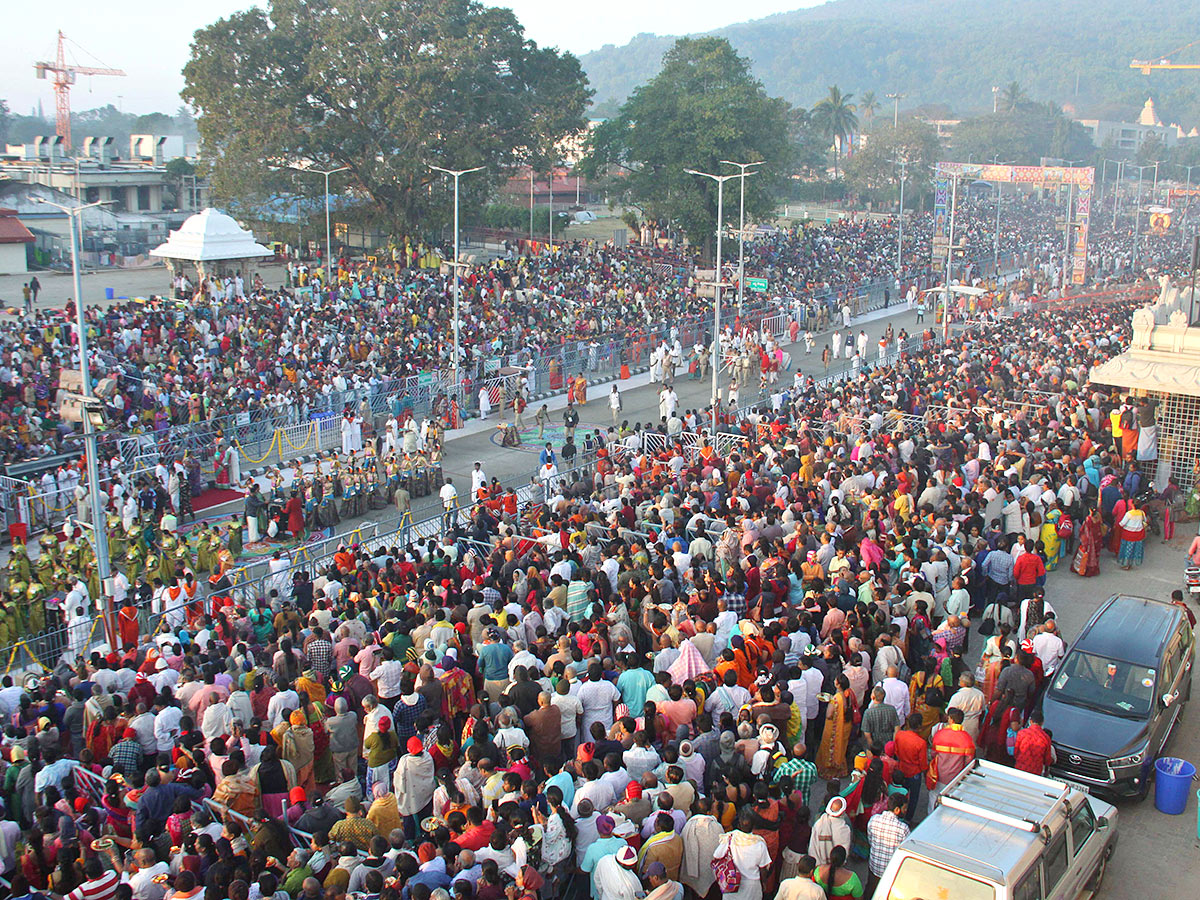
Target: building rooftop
[(12, 231)]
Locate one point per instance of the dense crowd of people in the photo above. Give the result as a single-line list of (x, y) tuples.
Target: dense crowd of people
[(239, 346), (738, 667)]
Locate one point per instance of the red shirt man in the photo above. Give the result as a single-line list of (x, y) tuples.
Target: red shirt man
[(912, 753), (1033, 751), (1028, 568)]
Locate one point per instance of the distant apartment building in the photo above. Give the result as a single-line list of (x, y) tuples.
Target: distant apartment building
[(143, 200), (1128, 137)]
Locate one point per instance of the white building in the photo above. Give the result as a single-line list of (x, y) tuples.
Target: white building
[(1128, 137)]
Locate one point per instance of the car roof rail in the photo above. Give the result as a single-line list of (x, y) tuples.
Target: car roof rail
[(1020, 800)]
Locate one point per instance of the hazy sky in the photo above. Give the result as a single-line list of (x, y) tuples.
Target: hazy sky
[(151, 45)]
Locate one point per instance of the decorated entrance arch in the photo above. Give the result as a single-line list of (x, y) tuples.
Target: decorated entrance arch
[(1080, 180)]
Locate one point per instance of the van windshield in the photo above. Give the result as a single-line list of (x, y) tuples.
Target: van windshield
[(1109, 685), (918, 879)]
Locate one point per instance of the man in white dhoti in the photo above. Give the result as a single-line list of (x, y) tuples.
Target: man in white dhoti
[(485, 403), (351, 433)]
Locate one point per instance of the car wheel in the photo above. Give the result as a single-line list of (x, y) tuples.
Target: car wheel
[(1092, 888)]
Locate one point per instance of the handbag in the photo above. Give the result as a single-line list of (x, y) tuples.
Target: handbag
[(726, 873)]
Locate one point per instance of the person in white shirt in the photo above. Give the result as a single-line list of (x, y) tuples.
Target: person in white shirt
[(597, 697), (142, 882), (896, 693), (449, 497), (166, 725), (286, 700), (478, 479), (387, 676), (1049, 647), (570, 709), (971, 701)]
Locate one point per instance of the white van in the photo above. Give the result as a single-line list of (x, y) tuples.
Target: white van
[(1003, 834)]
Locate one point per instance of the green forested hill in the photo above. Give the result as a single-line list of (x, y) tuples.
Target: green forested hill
[(951, 52)]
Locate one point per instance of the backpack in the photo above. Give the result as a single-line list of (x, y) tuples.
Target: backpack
[(1065, 528)]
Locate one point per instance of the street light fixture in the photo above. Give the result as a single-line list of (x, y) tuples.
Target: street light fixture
[(741, 228), (996, 243), (455, 174), (1137, 221), (1187, 200), (716, 350), (903, 164), (99, 518), (896, 98), (328, 242)]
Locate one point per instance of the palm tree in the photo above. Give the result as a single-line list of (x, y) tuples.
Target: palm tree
[(1013, 97), (868, 106), (837, 118)]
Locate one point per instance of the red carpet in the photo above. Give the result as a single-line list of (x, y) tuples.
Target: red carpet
[(215, 497)]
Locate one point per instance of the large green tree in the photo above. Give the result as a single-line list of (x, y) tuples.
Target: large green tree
[(703, 107), (1024, 135), (874, 169), (383, 87)]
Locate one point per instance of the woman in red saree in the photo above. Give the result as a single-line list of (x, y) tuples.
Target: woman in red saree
[(1087, 554)]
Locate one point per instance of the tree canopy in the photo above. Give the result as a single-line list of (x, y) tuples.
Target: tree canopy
[(1023, 135), (383, 87), (702, 108), (874, 169)]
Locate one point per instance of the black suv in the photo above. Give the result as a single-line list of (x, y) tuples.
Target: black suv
[(1115, 698)]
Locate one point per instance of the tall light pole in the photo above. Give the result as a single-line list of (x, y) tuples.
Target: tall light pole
[(903, 163), (949, 257), (1104, 172), (550, 188), (1067, 224), (741, 228), (1187, 201), (91, 450), (896, 98), (328, 241), (455, 174), (996, 239), (1117, 193), (1137, 221), (995, 98), (716, 350)]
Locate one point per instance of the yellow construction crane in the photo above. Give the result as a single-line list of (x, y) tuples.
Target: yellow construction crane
[(1146, 66)]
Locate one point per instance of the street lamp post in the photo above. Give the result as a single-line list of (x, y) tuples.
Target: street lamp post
[(741, 228), (949, 258), (1187, 201), (1137, 222), (903, 163), (328, 241), (716, 349), (896, 98), (455, 174), (91, 449), (1117, 193)]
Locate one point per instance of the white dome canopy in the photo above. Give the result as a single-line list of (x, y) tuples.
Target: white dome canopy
[(210, 235)]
